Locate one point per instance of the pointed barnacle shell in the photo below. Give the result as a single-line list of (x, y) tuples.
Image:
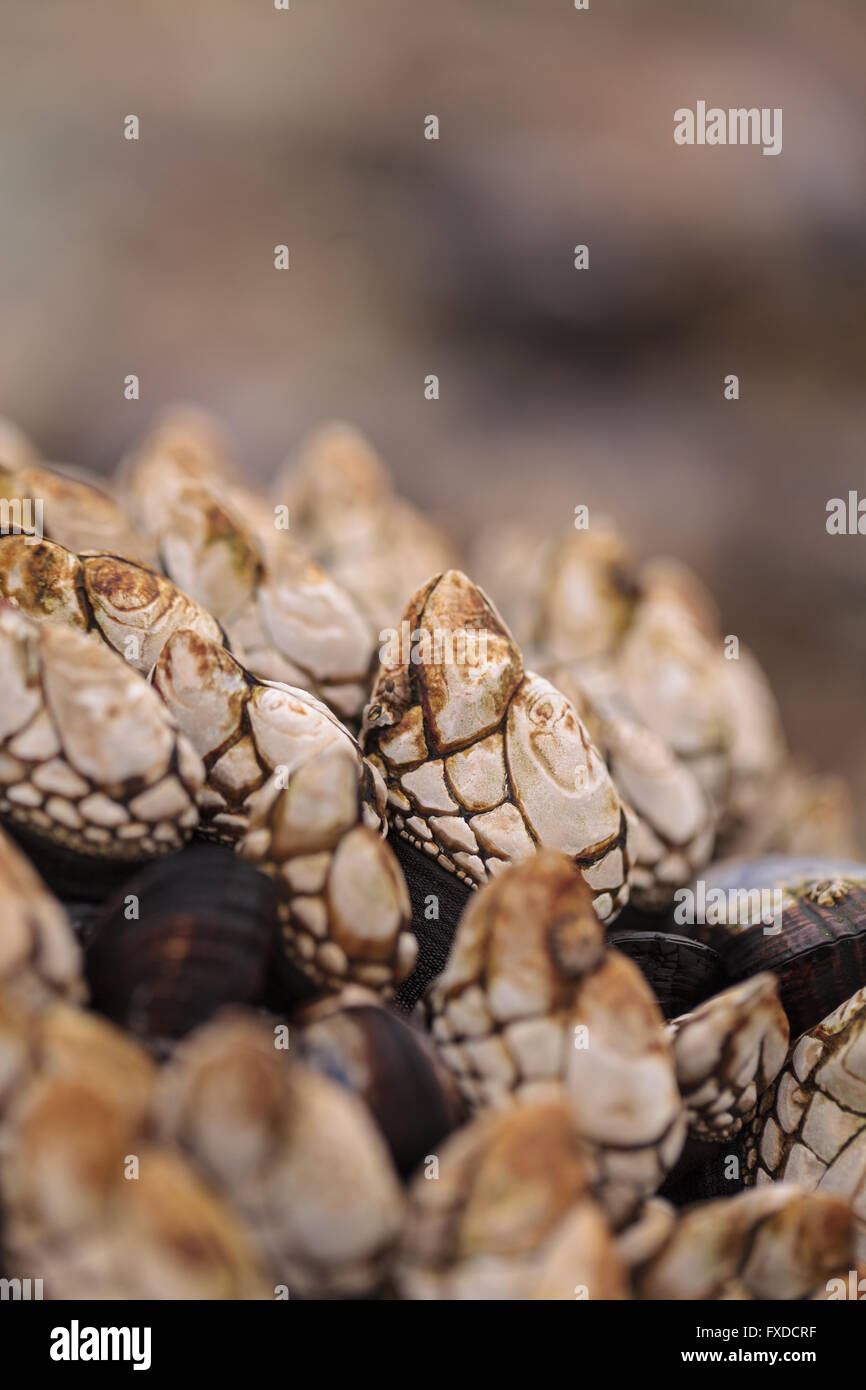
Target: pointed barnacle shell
[(484, 761), (670, 676), (76, 514), (511, 1215), (44, 580), (302, 628), (674, 829), (244, 729), (185, 446), (207, 551), (375, 545), (531, 1003), (297, 1155), (779, 1243), (570, 598), (39, 956), (811, 1126), (727, 1052), (90, 761), (345, 907)]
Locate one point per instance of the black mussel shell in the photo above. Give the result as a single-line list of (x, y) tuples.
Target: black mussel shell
[(205, 937), (425, 879), (819, 954), (391, 1065), (683, 972)]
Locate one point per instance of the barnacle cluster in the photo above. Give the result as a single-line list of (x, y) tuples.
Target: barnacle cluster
[(434, 1007)]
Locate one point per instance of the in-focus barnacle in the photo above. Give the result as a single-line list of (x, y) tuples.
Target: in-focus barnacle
[(243, 728), (344, 904), (531, 1003), (810, 1128), (485, 762), (91, 763)]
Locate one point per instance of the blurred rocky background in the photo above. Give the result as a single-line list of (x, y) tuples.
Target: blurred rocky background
[(455, 257)]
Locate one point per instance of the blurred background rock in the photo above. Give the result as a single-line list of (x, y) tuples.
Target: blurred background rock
[(455, 257)]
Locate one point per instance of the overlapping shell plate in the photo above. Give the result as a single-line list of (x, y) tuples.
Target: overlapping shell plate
[(531, 1004), (89, 757), (346, 910), (485, 762), (134, 608), (295, 1153), (727, 1052), (244, 729), (811, 1126)]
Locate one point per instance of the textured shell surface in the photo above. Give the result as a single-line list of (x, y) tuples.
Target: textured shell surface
[(44, 580), (804, 918), (243, 728), (295, 1153), (133, 607), (76, 514), (345, 906), (207, 551), (727, 1052), (780, 1243), (811, 1126), (89, 757), (485, 762), (511, 1215), (567, 599), (300, 627), (185, 447), (674, 818), (374, 544), (531, 1003), (39, 956)]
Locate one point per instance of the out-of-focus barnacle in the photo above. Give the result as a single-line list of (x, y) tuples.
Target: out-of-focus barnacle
[(344, 903), (39, 956), (92, 767), (246, 729), (780, 1243), (567, 599), (810, 1127), (532, 1004), (390, 1064), (509, 1213), (727, 1052), (52, 505), (345, 513), (298, 1155), (485, 762), (202, 935)]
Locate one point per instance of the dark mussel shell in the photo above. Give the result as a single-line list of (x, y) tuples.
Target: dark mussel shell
[(390, 1064), (682, 972), (205, 937), (819, 955)]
